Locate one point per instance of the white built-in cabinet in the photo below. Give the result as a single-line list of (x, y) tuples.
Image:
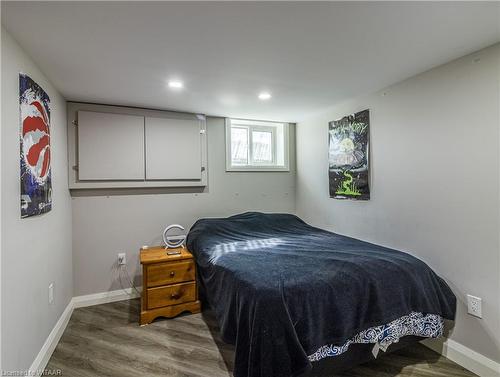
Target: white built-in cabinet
[(110, 147), (120, 147), (170, 140)]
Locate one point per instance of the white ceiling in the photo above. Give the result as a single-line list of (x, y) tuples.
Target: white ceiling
[(308, 55)]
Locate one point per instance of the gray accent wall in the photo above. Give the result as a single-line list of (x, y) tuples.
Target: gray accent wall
[(37, 250), (434, 181), (106, 222)]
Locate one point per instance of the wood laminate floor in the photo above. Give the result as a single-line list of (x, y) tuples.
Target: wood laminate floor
[(106, 340)]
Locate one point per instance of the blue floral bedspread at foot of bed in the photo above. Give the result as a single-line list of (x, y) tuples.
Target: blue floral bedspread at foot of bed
[(416, 324)]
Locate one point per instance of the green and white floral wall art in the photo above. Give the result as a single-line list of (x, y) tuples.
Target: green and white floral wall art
[(348, 157)]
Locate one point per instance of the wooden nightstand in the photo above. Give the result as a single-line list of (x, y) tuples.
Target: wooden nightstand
[(168, 284)]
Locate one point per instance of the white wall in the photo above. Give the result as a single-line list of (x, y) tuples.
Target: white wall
[(434, 181), (35, 250), (109, 222)]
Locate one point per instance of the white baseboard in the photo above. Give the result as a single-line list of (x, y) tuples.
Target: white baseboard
[(43, 357), (465, 357), (41, 360), (105, 297)]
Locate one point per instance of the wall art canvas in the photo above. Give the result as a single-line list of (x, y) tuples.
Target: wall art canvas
[(36, 180), (348, 157)]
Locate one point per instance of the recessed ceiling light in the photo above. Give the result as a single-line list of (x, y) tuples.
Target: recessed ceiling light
[(264, 95), (175, 84)]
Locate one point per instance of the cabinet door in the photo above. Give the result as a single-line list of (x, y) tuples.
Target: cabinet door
[(110, 146), (173, 149)]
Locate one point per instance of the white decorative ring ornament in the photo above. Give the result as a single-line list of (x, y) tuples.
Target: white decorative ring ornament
[(172, 242)]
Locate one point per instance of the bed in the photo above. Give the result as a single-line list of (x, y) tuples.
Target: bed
[(290, 296)]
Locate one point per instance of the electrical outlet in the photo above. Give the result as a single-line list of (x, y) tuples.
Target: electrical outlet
[(122, 259), (51, 293), (474, 306)]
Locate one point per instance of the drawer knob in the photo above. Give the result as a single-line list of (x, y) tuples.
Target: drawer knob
[(172, 274), (175, 296)]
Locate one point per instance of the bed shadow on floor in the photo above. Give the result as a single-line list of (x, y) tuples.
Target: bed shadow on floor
[(226, 350)]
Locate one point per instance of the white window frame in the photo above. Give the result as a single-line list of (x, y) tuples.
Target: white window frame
[(255, 125)]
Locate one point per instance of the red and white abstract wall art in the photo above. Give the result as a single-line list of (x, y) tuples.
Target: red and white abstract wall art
[(36, 177)]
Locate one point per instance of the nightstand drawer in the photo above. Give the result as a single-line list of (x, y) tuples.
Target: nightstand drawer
[(170, 273), (171, 295)]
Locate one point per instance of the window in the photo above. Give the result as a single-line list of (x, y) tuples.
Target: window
[(256, 145)]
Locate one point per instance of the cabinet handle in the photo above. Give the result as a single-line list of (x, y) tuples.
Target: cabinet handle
[(172, 274), (175, 296)]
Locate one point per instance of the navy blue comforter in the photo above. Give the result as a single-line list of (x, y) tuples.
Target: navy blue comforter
[(281, 289)]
